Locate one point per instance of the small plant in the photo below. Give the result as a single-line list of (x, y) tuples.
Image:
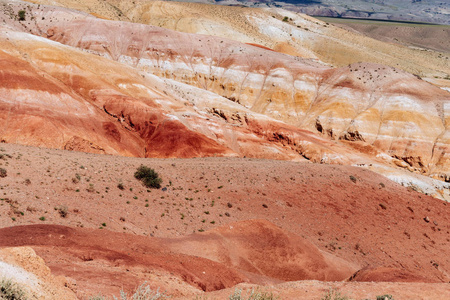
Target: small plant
[(333, 294), (21, 15), (3, 173), (10, 290), (353, 178), (143, 292), (77, 178), (62, 210), (104, 224), (254, 295), (385, 297), (42, 218), (120, 186), (285, 19), (148, 177), (91, 188)]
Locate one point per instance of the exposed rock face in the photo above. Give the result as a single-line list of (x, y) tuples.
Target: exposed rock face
[(28, 272), (210, 96)]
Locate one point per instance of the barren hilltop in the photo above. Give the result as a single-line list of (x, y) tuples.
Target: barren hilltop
[(286, 168)]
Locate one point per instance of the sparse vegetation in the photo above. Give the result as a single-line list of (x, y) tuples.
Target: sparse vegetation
[(3, 173), (91, 188), (148, 177), (254, 295), (77, 178), (385, 297), (62, 210), (10, 290), (120, 186), (143, 292), (353, 178), (333, 294), (285, 19), (21, 15)]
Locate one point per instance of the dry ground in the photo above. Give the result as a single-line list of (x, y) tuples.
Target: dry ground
[(351, 213)]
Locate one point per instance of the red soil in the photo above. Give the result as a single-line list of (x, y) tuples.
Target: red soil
[(358, 217), (251, 251), (259, 46)]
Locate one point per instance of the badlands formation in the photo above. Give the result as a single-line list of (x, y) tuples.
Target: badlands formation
[(95, 82)]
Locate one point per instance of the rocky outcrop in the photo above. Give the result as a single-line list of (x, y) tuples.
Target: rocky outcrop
[(29, 274)]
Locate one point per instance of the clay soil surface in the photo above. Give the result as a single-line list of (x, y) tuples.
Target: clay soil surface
[(95, 224)]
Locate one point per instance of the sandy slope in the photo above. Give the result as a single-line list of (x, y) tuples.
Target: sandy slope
[(367, 222), (301, 35), (434, 37)]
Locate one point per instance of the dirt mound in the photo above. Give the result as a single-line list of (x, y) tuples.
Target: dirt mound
[(386, 274), (353, 213), (250, 251), (260, 247)]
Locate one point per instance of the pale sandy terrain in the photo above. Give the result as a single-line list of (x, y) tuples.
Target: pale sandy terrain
[(141, 90), (434, 37), (301, 35)]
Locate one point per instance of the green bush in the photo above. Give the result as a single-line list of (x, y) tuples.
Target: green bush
[(10, 290), (385, 297), (148, 177), (21, 15)]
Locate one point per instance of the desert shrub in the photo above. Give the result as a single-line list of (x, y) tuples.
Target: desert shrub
[(148, 177), (3, 173), (143, 292), (62, 210), (10, 290), (332, 294), (385, 297), (352, 178), (254, 295), (21, 15), (285, 19)]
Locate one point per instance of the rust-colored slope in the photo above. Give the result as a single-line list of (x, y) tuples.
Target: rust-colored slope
[(272, 256), (357, 215), (258, 246)]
